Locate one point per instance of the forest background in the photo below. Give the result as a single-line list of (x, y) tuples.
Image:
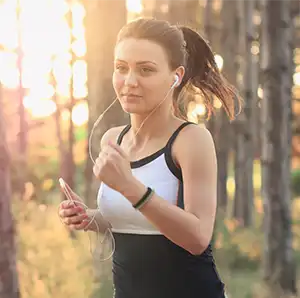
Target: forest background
[(56, 62)]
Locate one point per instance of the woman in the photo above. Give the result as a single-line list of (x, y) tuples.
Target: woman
[(159, 173)]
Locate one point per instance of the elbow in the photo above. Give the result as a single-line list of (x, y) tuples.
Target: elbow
[(199, 246), (197, 250)]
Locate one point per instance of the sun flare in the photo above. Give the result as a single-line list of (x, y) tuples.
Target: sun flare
[(50, 50), (134, 6)]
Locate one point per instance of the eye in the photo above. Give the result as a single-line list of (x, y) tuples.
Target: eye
[(146, 70), (121, 68)]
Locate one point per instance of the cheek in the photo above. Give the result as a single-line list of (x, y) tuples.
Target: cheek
[(118, 81), (155, 84), (159, 88)]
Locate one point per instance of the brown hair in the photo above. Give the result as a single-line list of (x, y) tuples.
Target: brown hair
[(185, 47)]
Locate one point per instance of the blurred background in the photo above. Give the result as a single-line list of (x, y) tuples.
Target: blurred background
[(56, 62)]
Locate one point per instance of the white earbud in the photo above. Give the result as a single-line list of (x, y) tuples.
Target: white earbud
[(176, 77)]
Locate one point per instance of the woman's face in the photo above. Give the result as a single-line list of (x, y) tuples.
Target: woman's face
[(142, 76)]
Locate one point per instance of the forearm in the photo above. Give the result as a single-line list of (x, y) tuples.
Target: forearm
[(98, 224), (180, 226)]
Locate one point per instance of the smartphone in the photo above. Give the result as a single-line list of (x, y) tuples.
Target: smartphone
[(66, 191)]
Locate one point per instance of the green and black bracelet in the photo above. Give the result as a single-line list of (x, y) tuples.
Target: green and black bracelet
[(145, 198)]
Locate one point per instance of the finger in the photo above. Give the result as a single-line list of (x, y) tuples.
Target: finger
[(105, 150), (110, 152), (96, 168), (66, 204), (74, 220), (103, 155), (80, 226), (71, 211), (118, 149)]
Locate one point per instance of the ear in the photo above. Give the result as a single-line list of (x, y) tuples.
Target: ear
[(180, 71)]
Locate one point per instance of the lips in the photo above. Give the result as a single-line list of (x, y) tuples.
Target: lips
[(130, 95)]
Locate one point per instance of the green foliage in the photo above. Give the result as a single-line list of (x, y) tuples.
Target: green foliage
[(237, 247), (105, 290), (50, 262), (36, 171), (295, 182), (80, 133), (239, 252)]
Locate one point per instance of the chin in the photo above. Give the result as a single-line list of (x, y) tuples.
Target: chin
[(132, 108)]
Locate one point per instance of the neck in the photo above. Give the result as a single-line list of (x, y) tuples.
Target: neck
[(151, 127)]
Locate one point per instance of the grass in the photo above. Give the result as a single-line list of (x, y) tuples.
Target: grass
[(239, 284)]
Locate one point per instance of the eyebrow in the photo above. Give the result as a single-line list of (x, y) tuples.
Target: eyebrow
[(138, 62)]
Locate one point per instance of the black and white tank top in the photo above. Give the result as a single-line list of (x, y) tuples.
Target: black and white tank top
[(146, 264), (156, 171)]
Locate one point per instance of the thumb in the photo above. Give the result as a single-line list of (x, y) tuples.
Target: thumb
[(118, 149)]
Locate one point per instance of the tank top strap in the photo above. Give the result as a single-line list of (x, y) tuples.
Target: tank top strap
[(168, 152), (176, 132), (122, 134)]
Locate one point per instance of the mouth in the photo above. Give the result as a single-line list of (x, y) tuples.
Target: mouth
[(131, 95)]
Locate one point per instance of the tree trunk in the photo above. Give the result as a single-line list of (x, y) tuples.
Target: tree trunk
[(183, 12), (65, 149), (244, 124), (60, 142), (104, 19), (223, 142), (160, 9), (23, 125), (148, 8), (69, 164), (208, 31), (9, 285), (279, 270)]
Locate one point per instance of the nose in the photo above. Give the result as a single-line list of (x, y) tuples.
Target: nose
[(131, 79)]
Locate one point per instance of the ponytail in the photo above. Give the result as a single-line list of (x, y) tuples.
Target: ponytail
[(203, 73)]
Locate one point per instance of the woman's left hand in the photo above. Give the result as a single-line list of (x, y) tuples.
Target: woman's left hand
[(112, 167)]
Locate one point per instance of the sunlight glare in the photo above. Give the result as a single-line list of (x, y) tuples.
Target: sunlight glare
[(134, 6), (255, 48), (79, 48), (199, 110), (80, 114), (9, 75), (43, 108), (78, 12), (219, 60), (80, 72), (260, 92), (80, 91), (46, 45), (35, 69), (39, 93), (8, 19), (296, 78), (196, 110)]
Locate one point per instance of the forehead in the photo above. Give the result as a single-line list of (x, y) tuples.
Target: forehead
[(133, 50)]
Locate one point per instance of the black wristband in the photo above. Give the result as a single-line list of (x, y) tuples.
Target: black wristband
[(144, 198)]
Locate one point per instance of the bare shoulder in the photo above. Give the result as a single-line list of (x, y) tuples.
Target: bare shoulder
[(196, 135), (111, 134), (194, 142)]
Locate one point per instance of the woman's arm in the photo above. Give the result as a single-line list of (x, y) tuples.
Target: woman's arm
[(191, 228), (99, 223)]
